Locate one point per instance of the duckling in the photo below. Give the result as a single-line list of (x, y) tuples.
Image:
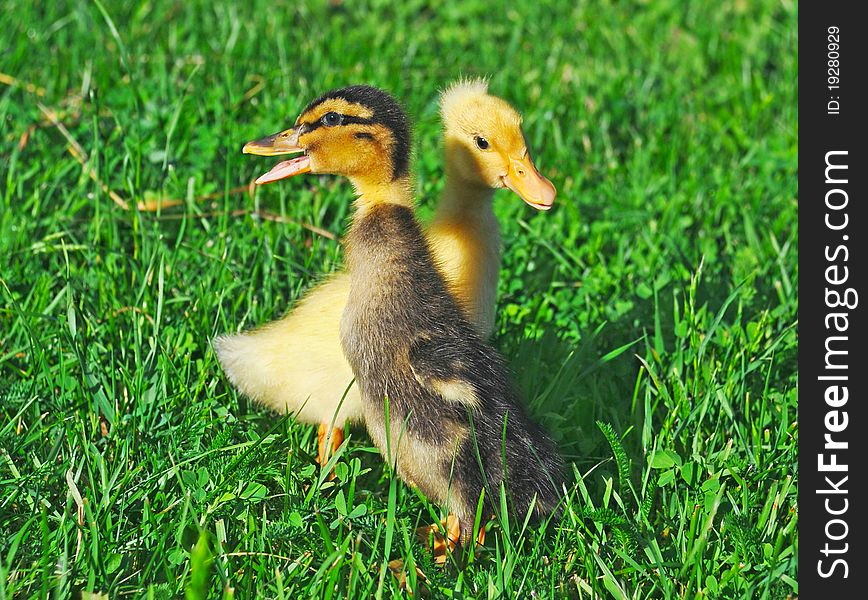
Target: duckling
[(484, 150), (296, 364), (436, 399)]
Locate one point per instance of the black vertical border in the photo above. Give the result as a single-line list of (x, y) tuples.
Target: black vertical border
[(819, 133)]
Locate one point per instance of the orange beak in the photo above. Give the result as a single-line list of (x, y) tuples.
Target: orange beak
[(524, 179), (284, 142)]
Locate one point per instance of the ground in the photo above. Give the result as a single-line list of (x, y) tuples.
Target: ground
[(650, 318)]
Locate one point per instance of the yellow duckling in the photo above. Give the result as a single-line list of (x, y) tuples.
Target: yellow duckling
[(436, 399), (296, 364)]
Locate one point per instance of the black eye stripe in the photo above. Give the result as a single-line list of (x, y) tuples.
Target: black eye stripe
[(358, 120), (345, 120)]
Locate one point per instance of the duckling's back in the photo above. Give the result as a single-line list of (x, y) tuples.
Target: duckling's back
[(454, 419)]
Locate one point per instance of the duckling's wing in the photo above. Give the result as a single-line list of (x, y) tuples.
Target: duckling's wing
[(442, 366)]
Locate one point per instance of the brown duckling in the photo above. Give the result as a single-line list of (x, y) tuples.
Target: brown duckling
[(436, 399), (296, 364)]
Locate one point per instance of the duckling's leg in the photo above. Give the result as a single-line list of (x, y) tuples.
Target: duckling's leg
[(456, 534), (328, 441), (466, 533), (439, 544)]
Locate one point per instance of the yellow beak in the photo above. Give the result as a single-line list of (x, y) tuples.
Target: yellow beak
[(524, 179), (284, 142)]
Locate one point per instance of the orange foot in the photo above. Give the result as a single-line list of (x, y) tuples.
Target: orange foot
[(439, 546), (454, 535), (328, 441)]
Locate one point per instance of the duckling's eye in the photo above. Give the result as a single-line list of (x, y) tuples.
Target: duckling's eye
[(330, 119), (481, 143)]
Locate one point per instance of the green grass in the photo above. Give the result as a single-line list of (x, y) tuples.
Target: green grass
[(650, 319)]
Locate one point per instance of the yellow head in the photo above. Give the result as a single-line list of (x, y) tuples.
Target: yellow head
[(485, 145), (359, 131)]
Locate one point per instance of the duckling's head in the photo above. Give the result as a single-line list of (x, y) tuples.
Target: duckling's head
[(485, 145), (359, 131)]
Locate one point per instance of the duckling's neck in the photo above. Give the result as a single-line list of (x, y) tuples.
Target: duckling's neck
[(462, 199), (375, 192), (465, 240)]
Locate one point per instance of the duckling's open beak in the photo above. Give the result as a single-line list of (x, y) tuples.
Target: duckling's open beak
[(285, 142), (524, 179)]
